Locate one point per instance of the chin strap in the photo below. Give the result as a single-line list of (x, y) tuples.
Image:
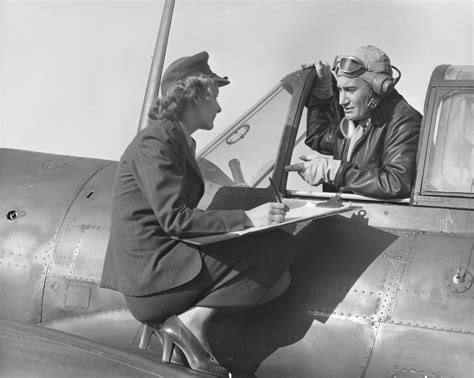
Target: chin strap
[(373, 101)]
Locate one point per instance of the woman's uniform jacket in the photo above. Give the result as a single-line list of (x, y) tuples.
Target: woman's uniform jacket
[(156, 190), (383, 162)]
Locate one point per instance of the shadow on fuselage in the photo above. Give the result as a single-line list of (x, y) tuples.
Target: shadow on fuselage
[(336, 253)]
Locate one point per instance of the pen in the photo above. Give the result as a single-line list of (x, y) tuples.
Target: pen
[(277, 194)]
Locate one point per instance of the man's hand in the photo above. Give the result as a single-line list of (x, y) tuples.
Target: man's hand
[(315, 169), (322, 86)]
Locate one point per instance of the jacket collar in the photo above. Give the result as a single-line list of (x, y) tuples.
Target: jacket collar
[(190, 146), (384, 109), (189, 139)]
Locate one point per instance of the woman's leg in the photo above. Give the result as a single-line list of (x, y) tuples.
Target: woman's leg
[(278, 289), (236, 274), (197, 319), (156, 308), (250, 271)]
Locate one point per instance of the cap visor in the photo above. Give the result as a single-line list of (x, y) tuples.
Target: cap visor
[(221, 81)]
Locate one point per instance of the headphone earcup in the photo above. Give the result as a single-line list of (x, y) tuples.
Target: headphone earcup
[(382, 84)]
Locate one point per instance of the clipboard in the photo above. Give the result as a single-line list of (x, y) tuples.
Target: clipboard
[(300, 211)]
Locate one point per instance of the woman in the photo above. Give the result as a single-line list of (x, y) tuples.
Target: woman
[(156, 190)]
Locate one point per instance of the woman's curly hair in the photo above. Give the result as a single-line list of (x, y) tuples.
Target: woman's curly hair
[(173, 103)]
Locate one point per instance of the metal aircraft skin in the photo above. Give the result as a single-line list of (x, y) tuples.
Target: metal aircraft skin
[(382, 291), (28, 350)]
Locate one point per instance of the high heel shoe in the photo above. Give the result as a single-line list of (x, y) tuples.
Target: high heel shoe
[(175, 334), (146, 331)]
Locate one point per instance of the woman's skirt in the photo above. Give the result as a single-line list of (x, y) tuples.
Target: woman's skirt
[(236, 274)]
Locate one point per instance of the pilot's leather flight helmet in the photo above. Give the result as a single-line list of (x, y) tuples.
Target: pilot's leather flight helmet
[(373, 66)]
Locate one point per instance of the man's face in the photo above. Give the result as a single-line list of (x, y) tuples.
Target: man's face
[(353, 97)]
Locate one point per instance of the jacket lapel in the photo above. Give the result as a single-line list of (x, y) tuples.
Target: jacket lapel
[(192, 161), (190, 154)]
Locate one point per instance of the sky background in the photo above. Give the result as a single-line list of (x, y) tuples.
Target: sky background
[(73, 73)]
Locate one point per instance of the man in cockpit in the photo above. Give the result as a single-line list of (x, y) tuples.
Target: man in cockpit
[(365, 124)]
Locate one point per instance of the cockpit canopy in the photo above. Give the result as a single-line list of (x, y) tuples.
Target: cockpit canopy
[(248, 152)]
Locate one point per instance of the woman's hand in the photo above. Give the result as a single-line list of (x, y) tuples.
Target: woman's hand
[(266, 214)]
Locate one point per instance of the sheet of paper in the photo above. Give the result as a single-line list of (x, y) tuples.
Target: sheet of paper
[(300, 211), (304, 210)]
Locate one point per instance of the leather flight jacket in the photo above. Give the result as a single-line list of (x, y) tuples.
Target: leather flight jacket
[(383, 161)]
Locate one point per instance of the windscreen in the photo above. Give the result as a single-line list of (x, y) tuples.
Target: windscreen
[(247, 152), (295, 182), (451, 160), (459, 73)]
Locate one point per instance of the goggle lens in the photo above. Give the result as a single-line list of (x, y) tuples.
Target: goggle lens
[(348, 65)]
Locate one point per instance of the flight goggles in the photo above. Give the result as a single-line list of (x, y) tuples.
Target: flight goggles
[(352, 66)]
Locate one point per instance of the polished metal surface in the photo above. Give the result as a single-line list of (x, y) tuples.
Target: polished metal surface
[(40, 188), (404, 351), (422, 299), (331, 348), (34, 351), (458, 280), (78, 254)]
